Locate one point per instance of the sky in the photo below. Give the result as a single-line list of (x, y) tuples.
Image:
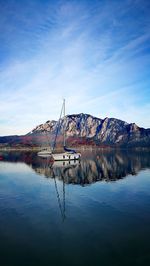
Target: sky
[(95, 54)]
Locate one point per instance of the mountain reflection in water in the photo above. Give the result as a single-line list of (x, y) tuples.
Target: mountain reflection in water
[(47, 220), (94, 166)]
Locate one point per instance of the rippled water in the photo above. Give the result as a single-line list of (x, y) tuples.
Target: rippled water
[(94, 212)]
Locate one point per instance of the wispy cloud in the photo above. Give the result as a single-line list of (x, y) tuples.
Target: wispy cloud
[(87, 53)]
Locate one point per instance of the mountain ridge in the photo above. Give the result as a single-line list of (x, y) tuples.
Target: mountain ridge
[(109, 131), (85, 129)]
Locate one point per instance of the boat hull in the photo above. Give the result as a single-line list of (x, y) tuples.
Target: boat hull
[(44, 153), (66, 156)]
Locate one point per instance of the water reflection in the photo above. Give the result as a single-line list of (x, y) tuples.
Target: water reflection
[(94, 166), (57, 224)]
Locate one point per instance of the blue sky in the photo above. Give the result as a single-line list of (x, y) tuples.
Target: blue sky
[(95, 54)]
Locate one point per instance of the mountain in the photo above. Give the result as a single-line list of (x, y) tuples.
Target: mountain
[(84, 129), (108, 131)]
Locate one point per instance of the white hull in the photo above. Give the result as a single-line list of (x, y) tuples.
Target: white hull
[(44, 153), (66, 156)]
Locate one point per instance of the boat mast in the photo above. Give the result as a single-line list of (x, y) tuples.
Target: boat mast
[(64, 125)]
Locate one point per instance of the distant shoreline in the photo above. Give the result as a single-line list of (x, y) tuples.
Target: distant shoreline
[(78, 148)]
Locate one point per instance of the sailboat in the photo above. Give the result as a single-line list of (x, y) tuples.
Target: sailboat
[(68, 154)]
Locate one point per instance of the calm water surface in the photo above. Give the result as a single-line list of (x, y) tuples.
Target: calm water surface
[(96, 212)]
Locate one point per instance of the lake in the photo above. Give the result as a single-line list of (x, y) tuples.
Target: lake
[(93, 212)]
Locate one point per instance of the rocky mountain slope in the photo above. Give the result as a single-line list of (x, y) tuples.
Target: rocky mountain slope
[(86, 130), (108, 131)]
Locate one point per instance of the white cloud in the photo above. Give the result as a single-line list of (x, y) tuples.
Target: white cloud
[(75, 62)]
